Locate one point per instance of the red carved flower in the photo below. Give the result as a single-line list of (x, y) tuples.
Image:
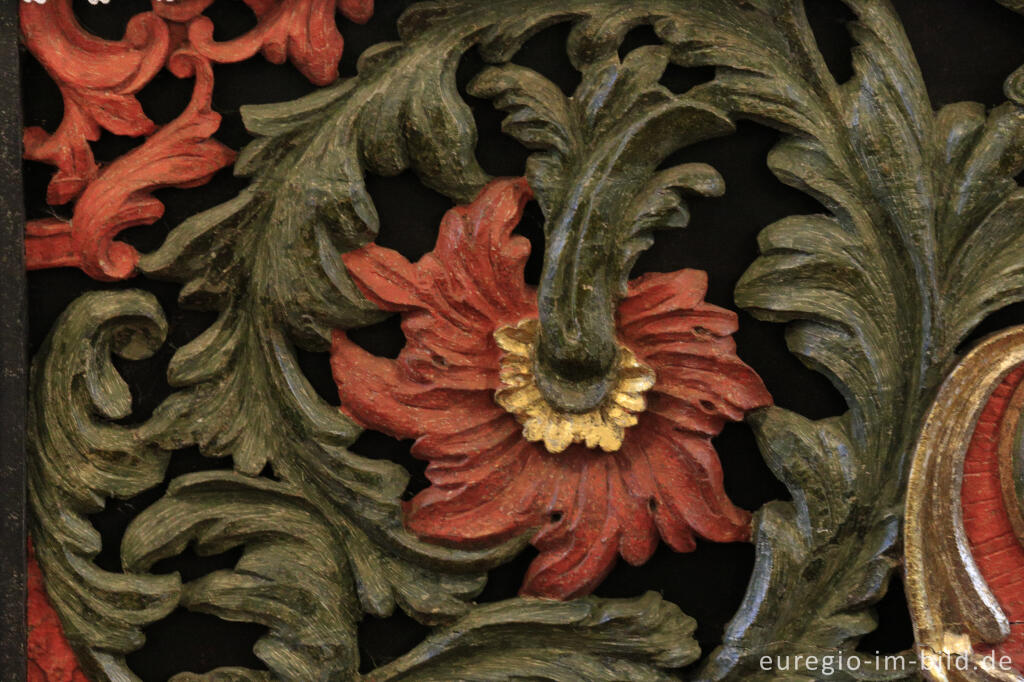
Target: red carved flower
[(584, 506)]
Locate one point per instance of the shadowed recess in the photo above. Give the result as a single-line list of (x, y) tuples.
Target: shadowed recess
[(531, 226), (498, 154), (381, 28), (503, 581), (211, 643), (316, 367), (681, 79), (111, 147), (115, 517), (638, 37), (108, 20), (383, 339), (721, 570), (409, 212), (191, 566), (895, 631), (382, 640), (676, 78), (230, 19), (1001, 319), (246, 83), (749, 482), (545, 53), (147, 379), (376, 445), (828, 19), (965, 49), (165, 97), (37, 174)]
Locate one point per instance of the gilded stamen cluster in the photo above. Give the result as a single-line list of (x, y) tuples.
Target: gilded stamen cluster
[(602, 427)]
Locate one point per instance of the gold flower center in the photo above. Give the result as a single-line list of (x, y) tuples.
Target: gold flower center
[(604, 426)]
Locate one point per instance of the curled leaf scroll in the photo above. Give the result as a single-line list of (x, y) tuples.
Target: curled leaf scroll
[(918, 243)]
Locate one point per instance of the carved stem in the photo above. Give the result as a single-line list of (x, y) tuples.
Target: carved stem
[(577, 348), (593, 238)]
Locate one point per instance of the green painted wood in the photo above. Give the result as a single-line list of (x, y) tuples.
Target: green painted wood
[(919, 242)]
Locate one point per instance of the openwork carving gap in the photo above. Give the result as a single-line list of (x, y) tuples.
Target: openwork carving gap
[(921, 240)]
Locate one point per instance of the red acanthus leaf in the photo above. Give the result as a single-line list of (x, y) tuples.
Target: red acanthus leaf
[(302, 31), (98, 80), (180, 11), (180, 154), (581, 507), (50, 657)]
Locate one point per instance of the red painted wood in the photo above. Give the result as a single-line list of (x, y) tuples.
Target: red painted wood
[(180, 154), (99, 79), (584, 507), (995, 548), (302, 31), (50, 658)]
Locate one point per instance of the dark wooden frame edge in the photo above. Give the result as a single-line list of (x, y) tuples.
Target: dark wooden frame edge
[(13, 358)]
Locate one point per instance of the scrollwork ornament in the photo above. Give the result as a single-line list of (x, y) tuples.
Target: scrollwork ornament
[(77, 460), (603, 391)]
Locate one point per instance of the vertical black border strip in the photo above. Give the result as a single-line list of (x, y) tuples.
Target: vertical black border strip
[(13, 389)]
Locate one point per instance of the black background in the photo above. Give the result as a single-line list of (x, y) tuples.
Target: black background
[(965, 48)]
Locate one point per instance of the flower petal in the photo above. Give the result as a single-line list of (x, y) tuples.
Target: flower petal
[(452, 300), (376, 394), (442, 446), (689, 345), (482, 285), (731, 390), (685, 415), (690, 489), (634, 512), (503, 500), (578, 551), (657, 294)]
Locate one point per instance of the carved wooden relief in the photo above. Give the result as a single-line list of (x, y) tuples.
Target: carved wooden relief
[(575, 414), (506, 462), (965, 545)]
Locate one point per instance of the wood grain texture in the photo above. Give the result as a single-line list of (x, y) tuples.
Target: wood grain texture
[(581, 506), (13, 362), (99, 80), (917, 242)]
